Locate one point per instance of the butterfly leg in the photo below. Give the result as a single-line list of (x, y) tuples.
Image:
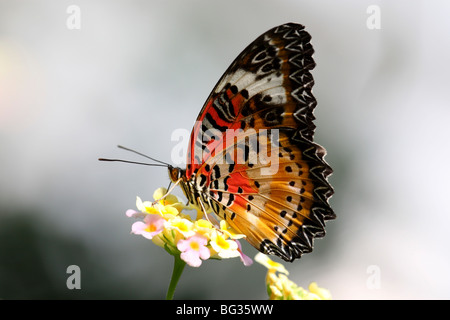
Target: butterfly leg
[(168, 192), (205, 213), (215, 223)]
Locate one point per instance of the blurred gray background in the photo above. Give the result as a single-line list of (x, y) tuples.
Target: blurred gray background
[(138, 70)]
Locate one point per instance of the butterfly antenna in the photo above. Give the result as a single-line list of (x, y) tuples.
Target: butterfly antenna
[(144, 155), (134, 162)]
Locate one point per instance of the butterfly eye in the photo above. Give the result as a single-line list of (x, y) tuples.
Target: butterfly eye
[(174, 173)]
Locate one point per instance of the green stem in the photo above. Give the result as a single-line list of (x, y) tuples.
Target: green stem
[(178, 267)]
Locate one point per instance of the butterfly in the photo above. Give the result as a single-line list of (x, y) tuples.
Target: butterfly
[(265, 100)]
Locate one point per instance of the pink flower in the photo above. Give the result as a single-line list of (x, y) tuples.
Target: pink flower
[(246, 260), (194, 248), (152, 225), (132, 213)]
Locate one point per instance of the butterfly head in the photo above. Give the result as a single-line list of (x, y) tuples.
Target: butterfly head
[(178, 177), (175, 173)]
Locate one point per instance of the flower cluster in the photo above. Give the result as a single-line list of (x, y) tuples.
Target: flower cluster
[(279, 287), (167, 226)]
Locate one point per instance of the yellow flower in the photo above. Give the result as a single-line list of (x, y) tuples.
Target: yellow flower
[(223, 247), (321, 293), (279, 287), (168, 200), (204, 227), (165, 205), (156, 208), (270, 264), (225, 228), (168, 239), (168, 227), (182, 225)]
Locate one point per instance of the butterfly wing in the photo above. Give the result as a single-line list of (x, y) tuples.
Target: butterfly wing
[(252, 157)]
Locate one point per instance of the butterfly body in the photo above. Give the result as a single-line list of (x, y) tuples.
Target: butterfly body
[(251, 156)]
